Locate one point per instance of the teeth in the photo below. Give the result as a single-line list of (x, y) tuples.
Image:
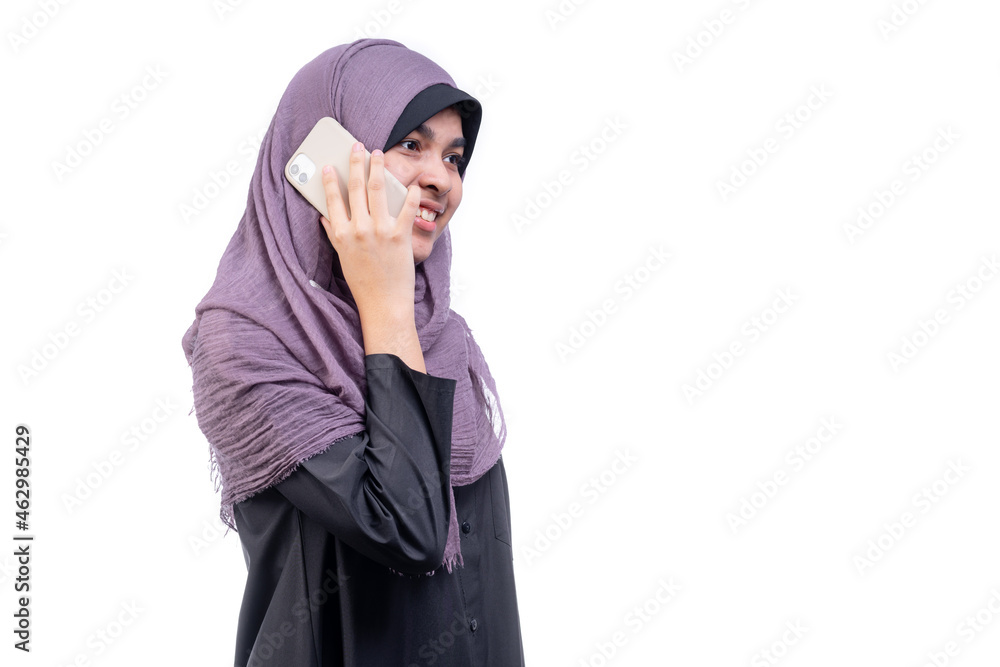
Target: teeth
[(428, 215)]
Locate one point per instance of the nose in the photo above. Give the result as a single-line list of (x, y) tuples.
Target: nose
[(434, 174)]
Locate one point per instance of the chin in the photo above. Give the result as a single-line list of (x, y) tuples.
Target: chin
[(419, 257), (421, 252)]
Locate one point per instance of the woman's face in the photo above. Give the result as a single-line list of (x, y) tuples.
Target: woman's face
[(429, 157)]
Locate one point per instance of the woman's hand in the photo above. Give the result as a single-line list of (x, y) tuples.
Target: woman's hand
[(376, 252), (376, 255)]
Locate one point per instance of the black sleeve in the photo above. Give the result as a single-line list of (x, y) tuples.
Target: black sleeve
[(385, 492)]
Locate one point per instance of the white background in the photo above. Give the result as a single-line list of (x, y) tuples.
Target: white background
[(663, 134)]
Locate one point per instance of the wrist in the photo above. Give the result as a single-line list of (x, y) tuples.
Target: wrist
[(391, 315)]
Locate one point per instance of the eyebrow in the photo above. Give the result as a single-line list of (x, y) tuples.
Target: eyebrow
[(457, 142)]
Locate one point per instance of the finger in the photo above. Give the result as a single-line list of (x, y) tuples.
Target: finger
[(334, 200), (377, 205), (410, 208), (357, 196)]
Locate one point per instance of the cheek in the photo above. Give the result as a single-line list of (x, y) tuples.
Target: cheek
[(398, 168)]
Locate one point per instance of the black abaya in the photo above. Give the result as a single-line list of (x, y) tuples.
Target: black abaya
[(318, 546)]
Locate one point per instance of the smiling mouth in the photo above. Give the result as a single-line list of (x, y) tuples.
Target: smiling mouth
[(424, 220)]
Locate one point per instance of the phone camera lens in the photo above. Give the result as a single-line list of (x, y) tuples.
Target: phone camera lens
[(303, 178), (294, 169)]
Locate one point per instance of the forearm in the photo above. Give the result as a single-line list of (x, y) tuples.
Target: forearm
[(385, 491), (387, 330)]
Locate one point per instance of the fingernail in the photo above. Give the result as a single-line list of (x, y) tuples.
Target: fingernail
[(376, 153), (327, 168), (358, 146)]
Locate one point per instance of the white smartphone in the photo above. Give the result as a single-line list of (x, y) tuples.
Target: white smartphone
[(329, 143)]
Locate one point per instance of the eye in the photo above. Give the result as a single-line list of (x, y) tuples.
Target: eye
[(414, 146)]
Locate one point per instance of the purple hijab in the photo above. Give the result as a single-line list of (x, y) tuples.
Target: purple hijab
[(275, 349)]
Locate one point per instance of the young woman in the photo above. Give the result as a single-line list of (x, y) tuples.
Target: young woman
[(355, 428)]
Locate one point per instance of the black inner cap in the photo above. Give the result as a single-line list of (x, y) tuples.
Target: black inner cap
[(431, 100)]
